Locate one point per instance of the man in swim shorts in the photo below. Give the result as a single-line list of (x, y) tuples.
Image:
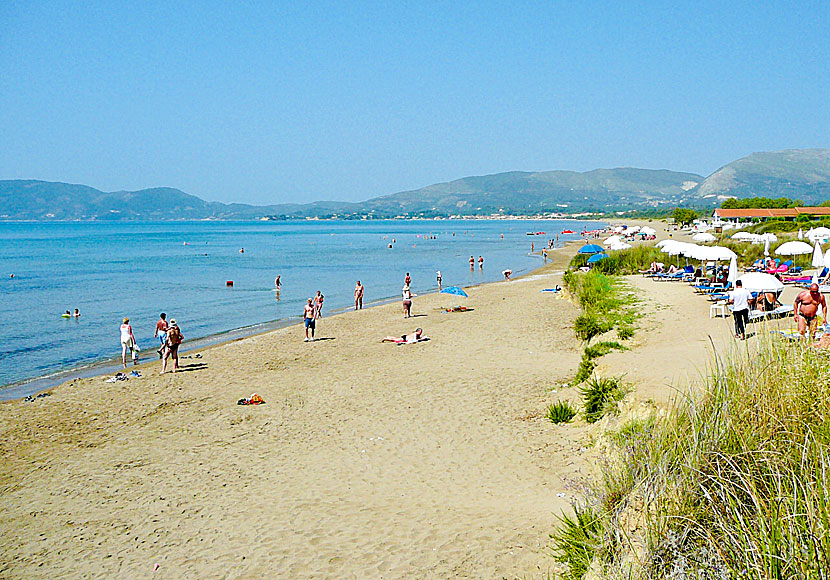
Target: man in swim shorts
[(308, 319), (161, 332), (805, 309)]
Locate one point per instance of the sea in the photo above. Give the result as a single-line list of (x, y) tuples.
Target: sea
[(112, 270)]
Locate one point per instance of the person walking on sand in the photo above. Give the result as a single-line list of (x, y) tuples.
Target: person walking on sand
[(161, 332), (173, 338), (358, 296), (309, 320), (318, 305), (407, 301), (128, 343), (805, 309), (739, 298)]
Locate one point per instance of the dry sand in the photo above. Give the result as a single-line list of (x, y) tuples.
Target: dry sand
[(368, 460)]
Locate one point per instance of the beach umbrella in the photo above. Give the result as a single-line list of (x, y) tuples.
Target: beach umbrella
[(760, 282), (704, 237), (800, 234), (590, 249), (596, 258), (818, 256), (766, 248), (818, 234), (768, 237), (733, 270), (455, 290), (793, 249), (611, 240), (620, 246), (827, 259), (716, 253), (744, 236), (648, 231)]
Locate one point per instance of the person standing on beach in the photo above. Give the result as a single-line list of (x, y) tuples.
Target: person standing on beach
[(805, 309), (128, 343), (308, 319), (173, 338), (739, 298), (407, 301), (438, 278), (318, 306), (161, 332), (358, 296)]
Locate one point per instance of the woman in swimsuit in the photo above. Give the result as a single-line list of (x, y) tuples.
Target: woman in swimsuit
[(127, 343), (407, 302)]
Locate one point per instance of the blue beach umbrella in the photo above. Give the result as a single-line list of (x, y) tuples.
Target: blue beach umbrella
[(590, 249), (454, 290), (596, 258)]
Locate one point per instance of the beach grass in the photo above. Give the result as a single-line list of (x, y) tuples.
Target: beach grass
[(732, 482), (561, 412), (600, 396)]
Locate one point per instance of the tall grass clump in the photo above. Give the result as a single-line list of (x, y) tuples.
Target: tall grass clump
[(561, 412), (600, 396), (622, 262), (577, 541), (732, 482)]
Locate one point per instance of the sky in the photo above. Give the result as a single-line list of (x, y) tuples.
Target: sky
[(273, 102)]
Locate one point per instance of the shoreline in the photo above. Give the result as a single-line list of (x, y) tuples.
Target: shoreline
[(46, 383)]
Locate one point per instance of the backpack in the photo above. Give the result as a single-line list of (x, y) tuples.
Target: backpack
[(174, 336)]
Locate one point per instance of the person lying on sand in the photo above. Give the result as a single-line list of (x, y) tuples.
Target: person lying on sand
[(416, 336)]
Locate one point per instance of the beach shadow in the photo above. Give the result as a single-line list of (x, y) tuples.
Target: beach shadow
[(418, 315), (319, 338), (192, 367)]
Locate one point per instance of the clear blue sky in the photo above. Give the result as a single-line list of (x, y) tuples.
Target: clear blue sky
[(267, 102)]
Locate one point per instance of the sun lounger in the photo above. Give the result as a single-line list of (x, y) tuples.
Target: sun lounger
[(779, 312)]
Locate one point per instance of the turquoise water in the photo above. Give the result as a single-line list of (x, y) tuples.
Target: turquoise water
[(112, 270)]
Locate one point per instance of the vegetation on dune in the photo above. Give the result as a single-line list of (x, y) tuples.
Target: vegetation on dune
[(733, 482), (561, 412), (600, 397), (622, 262)]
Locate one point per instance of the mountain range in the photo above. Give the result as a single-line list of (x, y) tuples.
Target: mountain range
[(797, 173)]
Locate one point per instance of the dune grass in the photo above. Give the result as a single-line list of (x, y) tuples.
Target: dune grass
[(733, 482), (560, 412)]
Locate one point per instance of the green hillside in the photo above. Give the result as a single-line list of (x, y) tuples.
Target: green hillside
[(795, 173)]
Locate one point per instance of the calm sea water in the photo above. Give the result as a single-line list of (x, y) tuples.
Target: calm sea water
[(113, 270)]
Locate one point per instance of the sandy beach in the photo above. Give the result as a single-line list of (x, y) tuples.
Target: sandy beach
[(368, 460)]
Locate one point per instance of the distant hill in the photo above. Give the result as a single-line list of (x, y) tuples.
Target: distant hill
[(795, 173), (798, 174), (519, 192)]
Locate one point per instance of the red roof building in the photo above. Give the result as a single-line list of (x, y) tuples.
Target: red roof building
[(764, 214)]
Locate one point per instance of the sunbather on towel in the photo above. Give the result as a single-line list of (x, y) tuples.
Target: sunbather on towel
[(416, 336)]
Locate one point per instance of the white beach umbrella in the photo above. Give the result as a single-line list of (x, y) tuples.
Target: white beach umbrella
[(703, 237), (760, 282), (770, 237), (766, 248), (793, 249), (718, 253), (611, 240), (800, 235), (733, 270), (648, 231), (621, 246), (744, 236), (827, 259), (633, 229), (818, 234), (818, 257)]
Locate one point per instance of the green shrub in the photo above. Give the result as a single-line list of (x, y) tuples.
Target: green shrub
[(561, 412), (600, 396), (577, 541), (602, 348), (625, 332), (583, 373), (587, 326)]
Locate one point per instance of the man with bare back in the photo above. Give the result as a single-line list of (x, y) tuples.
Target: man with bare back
[(805, 309)]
